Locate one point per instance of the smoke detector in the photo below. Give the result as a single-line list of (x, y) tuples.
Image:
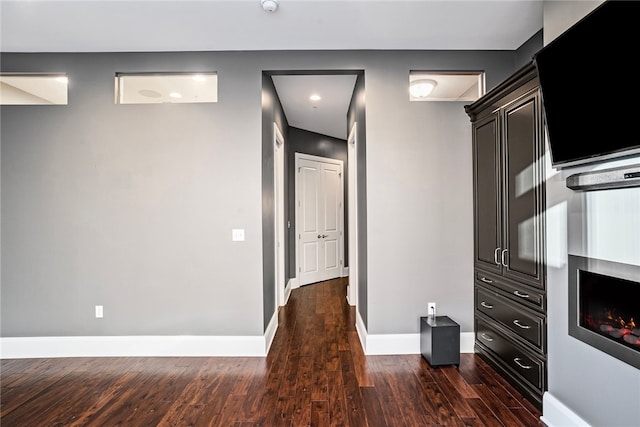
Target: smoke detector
[(270, 5)]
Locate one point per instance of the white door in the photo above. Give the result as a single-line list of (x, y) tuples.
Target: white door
[(319, 212)]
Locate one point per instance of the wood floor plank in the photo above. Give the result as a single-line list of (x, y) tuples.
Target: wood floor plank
[(496, 406), (337, 400), (373, 407), (319, 413), (456, 398), (484, 414), (316, 373)]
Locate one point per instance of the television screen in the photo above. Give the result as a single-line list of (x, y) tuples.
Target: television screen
[(589, 86)]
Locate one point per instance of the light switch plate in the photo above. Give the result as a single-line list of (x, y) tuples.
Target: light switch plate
[(99, 312), (237, 234)]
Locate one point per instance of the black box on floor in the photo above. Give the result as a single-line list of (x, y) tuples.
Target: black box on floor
[(440, 340)]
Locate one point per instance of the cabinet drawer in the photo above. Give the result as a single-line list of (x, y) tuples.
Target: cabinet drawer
[(531, 298), (526, 366), (519, 320)]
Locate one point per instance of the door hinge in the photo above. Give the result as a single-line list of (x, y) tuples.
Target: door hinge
[(339, 174), (299, 269), (299, 169)]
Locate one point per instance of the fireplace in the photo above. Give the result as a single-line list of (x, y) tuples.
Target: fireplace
[(604, 306)]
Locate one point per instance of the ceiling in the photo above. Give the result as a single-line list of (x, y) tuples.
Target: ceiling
[(222, 25)]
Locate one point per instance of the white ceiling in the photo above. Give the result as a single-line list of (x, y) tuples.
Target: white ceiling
[(327, 116), (201, 25)]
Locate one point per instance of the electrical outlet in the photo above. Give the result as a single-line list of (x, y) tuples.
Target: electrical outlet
[(431, 309), (99, 312)]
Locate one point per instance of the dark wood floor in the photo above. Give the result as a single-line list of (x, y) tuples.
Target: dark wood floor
[(315, 374)]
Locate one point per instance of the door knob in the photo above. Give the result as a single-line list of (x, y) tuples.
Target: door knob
[(325, 235), (319, 236)]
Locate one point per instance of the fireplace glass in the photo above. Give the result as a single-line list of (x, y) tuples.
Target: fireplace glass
[(610, 306), (604, 309)]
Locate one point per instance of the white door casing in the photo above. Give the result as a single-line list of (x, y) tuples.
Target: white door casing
[(279, 229), (352, 156), (319, 218)]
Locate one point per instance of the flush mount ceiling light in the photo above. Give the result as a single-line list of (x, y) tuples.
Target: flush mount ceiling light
[(315, 97), (270, 5), (421, 88)]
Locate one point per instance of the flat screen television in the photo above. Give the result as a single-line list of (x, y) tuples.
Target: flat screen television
[(590, 86)]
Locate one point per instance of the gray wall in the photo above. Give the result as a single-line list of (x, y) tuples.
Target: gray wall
[(604, 225), (272, 112), (306, 142), (132, 206), (525, 53)]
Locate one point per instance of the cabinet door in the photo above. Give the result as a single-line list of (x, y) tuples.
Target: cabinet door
[(523, 189), (487, 215)]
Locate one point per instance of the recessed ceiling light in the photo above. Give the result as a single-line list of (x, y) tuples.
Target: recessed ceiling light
[(199, 78), (175, 95), (315, 97)]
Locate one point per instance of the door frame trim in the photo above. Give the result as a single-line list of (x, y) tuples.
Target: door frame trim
[(278, 217), (303, 156), (352, 200)]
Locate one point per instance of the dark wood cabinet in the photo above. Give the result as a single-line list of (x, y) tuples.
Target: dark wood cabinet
[(509, 201), (509, 187)]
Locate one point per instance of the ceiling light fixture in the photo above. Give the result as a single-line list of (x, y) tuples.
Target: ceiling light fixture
[(421, 88), (270, 5), (175, 95), (315, 97)]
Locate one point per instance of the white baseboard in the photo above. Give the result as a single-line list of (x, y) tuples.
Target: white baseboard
[(387, 344), (467, 342), (293, 283), (556, 414), (392, 344), (362, 331), (270, 333), (134, 346), (287, 291)]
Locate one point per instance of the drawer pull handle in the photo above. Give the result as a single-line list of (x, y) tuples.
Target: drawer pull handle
[(485, 305), (485, 280), (517, 361), (521, 295), (495, 256), (521, 325), (486, 337)]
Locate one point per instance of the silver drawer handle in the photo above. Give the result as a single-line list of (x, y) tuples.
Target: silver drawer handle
[(521, 295), (495, 256), (521, 325), (485, 305), (485, 280), (486, 337), (504, 263), (517, 360)]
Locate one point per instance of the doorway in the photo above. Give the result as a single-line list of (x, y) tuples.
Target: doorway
[(312, 127)]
